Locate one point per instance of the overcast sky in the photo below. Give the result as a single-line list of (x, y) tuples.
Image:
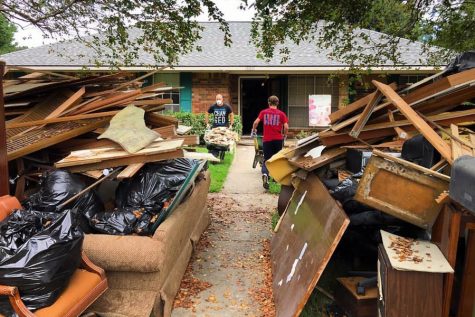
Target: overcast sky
[(31, 37)]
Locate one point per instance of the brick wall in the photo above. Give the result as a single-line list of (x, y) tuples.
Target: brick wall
[(205, 87)]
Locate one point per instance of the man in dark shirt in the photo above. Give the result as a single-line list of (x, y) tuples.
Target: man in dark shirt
[(222, 114)]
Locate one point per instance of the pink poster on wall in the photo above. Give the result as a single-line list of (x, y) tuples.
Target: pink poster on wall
[(319, 108)]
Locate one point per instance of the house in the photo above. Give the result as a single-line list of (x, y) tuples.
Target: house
[(244, 80)]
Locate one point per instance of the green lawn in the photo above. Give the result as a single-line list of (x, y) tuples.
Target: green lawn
[(218, 171), (274, 188)]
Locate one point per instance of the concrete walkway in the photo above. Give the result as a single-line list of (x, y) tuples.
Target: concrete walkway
[(232, 257)]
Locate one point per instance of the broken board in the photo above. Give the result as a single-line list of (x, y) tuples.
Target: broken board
[(128, 129), (406, 191), (97, 155), (309, 163), (307, 237)]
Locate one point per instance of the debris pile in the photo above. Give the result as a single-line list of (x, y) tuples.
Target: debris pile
[(387, 159), (221, 136)]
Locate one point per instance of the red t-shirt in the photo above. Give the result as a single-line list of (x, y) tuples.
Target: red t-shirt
[(273, 120)]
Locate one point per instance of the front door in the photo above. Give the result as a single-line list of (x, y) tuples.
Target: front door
[(254, 94)]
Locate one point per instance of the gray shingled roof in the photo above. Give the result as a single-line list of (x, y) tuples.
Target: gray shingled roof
[(214, 53)]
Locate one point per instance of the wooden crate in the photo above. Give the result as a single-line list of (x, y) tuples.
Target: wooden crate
[(408, 293), (353, 304)]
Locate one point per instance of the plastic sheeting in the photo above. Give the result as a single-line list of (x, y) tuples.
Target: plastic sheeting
[(140, 200), (462, 62), (59, 186), (39, 253)]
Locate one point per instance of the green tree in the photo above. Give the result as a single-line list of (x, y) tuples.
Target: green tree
[(7, 31), (120, 30), (338, 26)]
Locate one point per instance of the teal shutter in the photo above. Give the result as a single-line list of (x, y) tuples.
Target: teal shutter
[(185, 92)]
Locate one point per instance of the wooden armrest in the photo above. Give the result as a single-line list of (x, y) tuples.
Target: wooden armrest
[(15, 300), (91, 267), (8, 290)]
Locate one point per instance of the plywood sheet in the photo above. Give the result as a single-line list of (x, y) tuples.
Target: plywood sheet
[(300, 250), (401, 190)]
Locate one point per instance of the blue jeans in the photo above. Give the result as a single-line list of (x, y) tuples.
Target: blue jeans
[(270, 148)]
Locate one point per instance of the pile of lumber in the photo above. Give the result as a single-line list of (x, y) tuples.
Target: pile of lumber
[(386, 118), (62, 121), (433, 118)]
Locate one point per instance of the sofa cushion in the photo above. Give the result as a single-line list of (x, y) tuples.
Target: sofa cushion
[(124, 253), (124, 303)]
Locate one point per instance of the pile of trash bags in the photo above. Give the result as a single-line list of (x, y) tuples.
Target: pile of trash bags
[(141, 199), (39, 252), (57, 187)]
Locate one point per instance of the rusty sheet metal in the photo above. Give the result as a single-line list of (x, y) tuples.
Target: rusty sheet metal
[(300, 250), (401, 191)]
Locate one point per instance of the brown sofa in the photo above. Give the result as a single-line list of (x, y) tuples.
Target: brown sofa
[(144, 273)]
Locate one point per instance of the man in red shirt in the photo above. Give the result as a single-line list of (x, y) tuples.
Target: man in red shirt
[(274, 122)]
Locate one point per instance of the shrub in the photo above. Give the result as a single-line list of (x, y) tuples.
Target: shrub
[(197, 122)]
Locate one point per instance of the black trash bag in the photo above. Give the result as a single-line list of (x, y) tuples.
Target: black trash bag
[(59, 186), (140, 200), (39, 254), (154, 185), (117, 222), (460, 63), (344, 193)]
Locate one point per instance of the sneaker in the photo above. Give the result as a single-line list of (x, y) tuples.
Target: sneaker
[(265, 181)]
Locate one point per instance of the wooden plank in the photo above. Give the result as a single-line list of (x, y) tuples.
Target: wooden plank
[(15, 125), (401, 190), (130, 171), (400, 132), (431, 104), (364, 117), (96, 174), (467, 292), (445, 234), (472, 140), (71, 101), (4, 185), (309, 164), (299, 251), (439, 165), (188, 139), (416, 120), (107, 101), (125, 161), (412, 165), (158, 120), (443, 118), (456, 146), (109, 153), (352, 107), (166, 131)]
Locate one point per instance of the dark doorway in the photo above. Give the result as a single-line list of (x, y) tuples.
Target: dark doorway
[(254, 94)]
